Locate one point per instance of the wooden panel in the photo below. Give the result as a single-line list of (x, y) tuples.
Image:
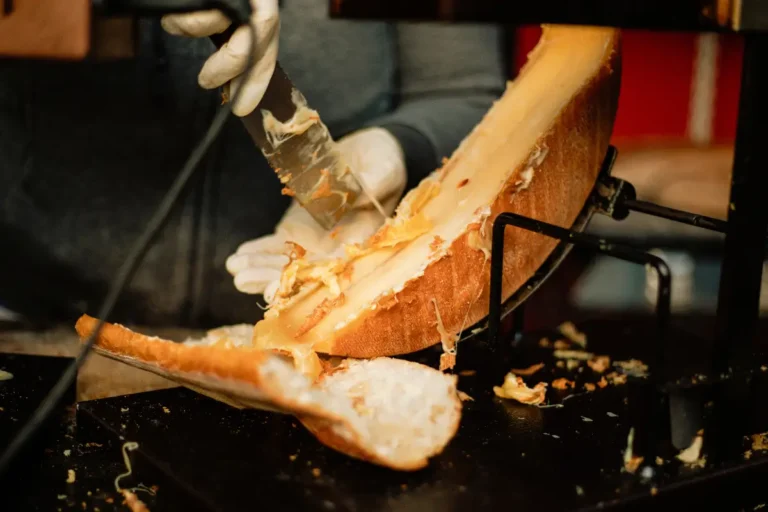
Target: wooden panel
[(56, 29)]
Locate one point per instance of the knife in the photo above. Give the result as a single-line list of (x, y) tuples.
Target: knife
[(300, 149)]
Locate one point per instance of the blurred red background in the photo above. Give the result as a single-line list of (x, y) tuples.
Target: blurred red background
[(658, 68)]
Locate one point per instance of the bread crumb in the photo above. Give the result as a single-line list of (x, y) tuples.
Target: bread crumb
[(589, 387), (570, 364), (602, 383), (747, 454), (514, 388), (316, 472), (562, 383), (465, 397), (579, 490), (654, 491), (292, 457), (286, 191), (599, 363), (67, 453), (545, 343), (467, 373), (560, 364), (764, 368), (562, 345), (70, 476), (166, 410), (4, 375), (659, 461), (568, 329), (528, 371)]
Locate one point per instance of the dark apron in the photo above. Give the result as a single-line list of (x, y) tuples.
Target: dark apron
[(87, 150)]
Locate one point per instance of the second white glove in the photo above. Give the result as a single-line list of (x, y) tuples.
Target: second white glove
[(376, 157)]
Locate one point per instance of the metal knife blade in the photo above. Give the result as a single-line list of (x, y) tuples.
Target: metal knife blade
[(300, 149)]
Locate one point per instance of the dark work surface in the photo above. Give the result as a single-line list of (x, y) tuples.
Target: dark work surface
[(42, 459), (203, 455)]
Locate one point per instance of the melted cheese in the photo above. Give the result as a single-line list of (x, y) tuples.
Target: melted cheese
[(269, 334), (277, 132)]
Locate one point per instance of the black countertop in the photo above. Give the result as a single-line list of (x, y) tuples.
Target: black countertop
[(203, 455)]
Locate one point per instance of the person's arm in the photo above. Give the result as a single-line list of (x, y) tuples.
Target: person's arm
[(449, 76)]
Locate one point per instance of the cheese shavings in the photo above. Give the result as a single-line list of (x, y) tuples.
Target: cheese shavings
[(570, 331), (515, 388), (131, 500), (277, 132), (573, 354), (528, 371), (448, 341), (599, 364), (691, 456), (299, 272), (760, 441), (631, 461)]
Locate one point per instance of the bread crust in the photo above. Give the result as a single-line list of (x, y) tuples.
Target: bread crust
[(197, 367), (460, 281), (221, 373)]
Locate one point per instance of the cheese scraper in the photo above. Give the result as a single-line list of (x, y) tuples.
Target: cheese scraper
[(300, 149)]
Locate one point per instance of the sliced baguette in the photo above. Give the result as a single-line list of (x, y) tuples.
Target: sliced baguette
[(388, 412), (424, 276)]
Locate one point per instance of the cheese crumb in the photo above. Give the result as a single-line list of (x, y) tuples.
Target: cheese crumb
[(692, 455), (70, 476), (631, 461), (599, 363), (760, 441), (569, 330), (528, 371), (514, 388)]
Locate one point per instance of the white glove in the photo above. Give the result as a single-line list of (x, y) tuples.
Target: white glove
[(229, 62), (377, 159)]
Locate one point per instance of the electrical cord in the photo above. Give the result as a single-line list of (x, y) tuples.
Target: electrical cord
[(135, 255)]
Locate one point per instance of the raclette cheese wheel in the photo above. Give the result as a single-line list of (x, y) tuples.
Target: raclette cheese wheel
[(424, 276)]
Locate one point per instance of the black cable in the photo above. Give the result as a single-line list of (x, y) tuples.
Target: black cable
[(131, 263)]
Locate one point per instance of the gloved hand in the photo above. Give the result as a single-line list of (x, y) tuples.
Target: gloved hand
[(229, 62), (376, 157)]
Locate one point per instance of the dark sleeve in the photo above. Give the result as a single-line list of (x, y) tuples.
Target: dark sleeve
[(449, 76)]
